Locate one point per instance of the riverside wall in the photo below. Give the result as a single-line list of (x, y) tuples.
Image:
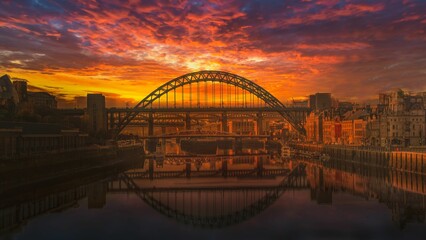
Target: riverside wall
[(399, 160), (59, 165)]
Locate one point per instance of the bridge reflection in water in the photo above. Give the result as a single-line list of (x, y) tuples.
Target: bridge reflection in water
[(218, 201), (209, 203)]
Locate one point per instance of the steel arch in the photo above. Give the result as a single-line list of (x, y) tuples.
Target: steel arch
[(212, 76)]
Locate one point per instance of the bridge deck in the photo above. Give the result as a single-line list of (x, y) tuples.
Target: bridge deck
[(206, 110), (205, 136), (241, 173)]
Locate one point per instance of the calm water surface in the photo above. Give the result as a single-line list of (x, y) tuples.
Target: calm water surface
[(337, 201)]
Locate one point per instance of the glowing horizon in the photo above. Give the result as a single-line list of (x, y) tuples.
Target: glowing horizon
[(126, 49)]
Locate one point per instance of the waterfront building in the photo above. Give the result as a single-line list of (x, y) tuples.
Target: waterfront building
[(42, 100), (344, 107), (320, 101), (353, 132), (21, 88), (398, 120), (402, 130), (96, 114), (354, 127), (350, 130), (332, 130), (373, 131), (37, 100), (423, 96), (300, 103), (314, 127), (402, 122), (26, 139), (8, 96)]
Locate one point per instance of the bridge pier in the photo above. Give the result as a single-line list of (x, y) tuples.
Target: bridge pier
[(224, 168), (152, 144), (187, 121), (150, 124), (259, 123), (111, 121), (225, 127), (188, 169), (260, 166), (151, 169), (163, 140)]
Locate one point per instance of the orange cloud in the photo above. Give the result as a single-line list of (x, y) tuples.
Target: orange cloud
[(292, 49)]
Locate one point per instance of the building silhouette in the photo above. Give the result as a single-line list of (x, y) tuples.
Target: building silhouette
[(320, 101), (96, 114)]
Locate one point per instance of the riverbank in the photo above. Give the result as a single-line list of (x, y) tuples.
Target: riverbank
[(399, 160), (55, 166)]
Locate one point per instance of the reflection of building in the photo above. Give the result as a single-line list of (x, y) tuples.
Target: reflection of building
[(96, 112), (12, 217), (402, 192), (96, 195), (321, 191)]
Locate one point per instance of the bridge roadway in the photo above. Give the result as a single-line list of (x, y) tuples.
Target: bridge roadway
[(174, 116), (208, 110), (80, 112), (239, 173), (208, 157), (179, 117), (204, 136)]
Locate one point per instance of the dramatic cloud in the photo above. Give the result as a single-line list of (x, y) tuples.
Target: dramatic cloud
[(126, 48)]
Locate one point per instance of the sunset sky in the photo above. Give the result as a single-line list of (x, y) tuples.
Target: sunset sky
[(127, 48)]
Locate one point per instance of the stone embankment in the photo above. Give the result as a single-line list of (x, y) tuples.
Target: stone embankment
[(399, 160)]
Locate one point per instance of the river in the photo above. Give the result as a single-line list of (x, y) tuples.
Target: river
[(335, 200)]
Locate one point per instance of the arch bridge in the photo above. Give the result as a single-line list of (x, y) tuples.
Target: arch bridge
[(206, 96)]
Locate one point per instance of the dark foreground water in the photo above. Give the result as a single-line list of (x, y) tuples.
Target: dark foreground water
[(338, 201)]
